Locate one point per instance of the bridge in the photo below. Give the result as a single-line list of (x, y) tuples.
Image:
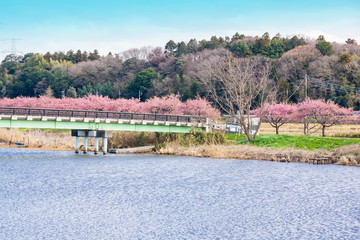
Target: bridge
[(97, 124)]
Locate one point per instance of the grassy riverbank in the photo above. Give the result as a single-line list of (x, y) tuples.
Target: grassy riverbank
[(348, 155), (283, 148), (297, 142), (297, 129)]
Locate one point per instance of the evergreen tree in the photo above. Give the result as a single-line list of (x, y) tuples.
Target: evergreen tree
[(78, 56), (59, 83), (293, 43), (325, 48), (70, 56), (170, 46), (139, 86), (261, 47), (27, 81), (276, 47), (241, 49), (181, 49), (192, 46), (94, 55)]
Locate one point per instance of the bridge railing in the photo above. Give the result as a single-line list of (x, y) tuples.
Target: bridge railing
[(99, 114)]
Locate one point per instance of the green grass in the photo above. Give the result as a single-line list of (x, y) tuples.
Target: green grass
[(45, 130), (299, 142)]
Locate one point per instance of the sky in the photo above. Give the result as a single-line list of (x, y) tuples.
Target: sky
[(116, 25)]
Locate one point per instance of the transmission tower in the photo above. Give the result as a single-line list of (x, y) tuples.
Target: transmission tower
[(13, 49)]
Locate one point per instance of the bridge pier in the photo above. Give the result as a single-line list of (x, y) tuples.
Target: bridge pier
[(85, 144), (77, 145), (88, 133), (96, 150), (105, 142)]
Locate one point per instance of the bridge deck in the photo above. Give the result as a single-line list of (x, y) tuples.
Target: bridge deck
[(91, 120)]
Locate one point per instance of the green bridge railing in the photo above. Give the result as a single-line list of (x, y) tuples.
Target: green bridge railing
[(99, 114)]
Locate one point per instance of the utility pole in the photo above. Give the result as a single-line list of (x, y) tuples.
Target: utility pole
[(306, 84), (306, 125)]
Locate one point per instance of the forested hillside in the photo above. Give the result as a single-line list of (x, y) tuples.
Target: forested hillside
[(333, 69)]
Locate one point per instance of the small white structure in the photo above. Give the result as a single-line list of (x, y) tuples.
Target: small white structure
[(235, 125), (232, 125)]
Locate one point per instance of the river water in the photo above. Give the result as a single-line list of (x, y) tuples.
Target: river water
[(58, 195)]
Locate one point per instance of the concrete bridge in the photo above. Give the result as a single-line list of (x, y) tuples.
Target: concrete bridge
[(97, 123)]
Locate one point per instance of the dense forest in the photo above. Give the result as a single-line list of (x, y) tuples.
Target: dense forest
[(333, 69)]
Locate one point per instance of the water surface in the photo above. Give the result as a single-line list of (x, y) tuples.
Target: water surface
[(58, 195)]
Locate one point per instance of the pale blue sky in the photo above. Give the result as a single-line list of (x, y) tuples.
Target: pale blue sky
[(116, 25)]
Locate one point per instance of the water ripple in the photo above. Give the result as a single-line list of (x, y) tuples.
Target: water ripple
[(58, 195)]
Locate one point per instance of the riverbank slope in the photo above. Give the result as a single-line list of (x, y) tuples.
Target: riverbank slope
[(282, 148), (342, 156)]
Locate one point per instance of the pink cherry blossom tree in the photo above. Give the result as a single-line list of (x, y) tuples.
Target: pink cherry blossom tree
[(94, 102), (277, 114), (200, 107), (124, 105), (324, 113), (170, 104)]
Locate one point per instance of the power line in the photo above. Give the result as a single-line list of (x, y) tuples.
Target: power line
[(333, 86), (295, 91), (325, 85)]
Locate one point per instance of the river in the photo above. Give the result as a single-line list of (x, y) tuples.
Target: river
[(59, 195)]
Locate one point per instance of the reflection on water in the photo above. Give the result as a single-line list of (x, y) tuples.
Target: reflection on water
[(58, 195)]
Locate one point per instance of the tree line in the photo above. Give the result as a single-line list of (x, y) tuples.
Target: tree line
[(178, 68)]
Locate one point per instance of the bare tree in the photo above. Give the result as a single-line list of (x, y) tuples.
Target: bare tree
[(238, 85), (105, 69), (292, 65), (143, 53)]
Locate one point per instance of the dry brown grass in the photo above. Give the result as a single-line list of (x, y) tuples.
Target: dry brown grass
[(36, 138), (347, 161), (298, 129), (241, 152), (49, 140), (255, 153), (348, 150), (131, 139)]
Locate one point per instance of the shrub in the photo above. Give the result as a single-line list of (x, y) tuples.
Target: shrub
[(201, 137)]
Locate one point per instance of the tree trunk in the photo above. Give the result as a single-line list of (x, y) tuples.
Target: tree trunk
[(157, 136), (323, 131), (248, 136), (277, 129)]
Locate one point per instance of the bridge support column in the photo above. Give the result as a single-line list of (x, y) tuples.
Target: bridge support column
[(105, 141), (85, 145), (96, 151), (92, 133), (77, 145), (207, 125)]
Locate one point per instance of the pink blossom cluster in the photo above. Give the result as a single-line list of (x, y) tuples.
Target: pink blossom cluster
[(170, 104), (325, 113), (285, 112)]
